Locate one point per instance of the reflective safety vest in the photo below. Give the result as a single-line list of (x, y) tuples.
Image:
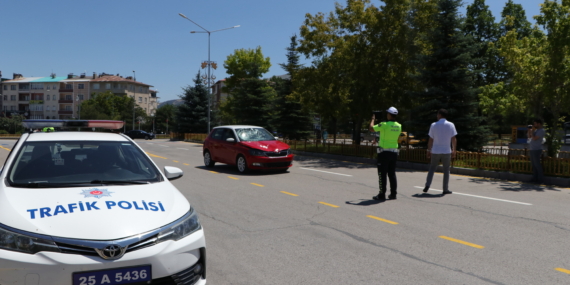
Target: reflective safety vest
[(389, 134), (48, 129)]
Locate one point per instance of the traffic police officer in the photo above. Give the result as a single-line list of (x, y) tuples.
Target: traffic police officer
[(387, 152)]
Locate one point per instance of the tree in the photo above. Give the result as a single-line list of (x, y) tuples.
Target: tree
[(480, 24), (250, 102), (165, 118), (449, 83), (108, 106), (245, 63), (363, 49), (290, 118), (513, 18), (192, 116)]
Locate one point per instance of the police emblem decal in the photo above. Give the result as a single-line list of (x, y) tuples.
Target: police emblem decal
[(96, 193)]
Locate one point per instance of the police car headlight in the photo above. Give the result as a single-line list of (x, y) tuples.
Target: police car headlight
[(182, 228), (10, 240), (256, 152)]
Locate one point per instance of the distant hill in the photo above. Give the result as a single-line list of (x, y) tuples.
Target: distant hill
[(174, 102)]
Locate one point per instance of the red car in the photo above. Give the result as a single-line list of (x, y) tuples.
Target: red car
[(247, 147)]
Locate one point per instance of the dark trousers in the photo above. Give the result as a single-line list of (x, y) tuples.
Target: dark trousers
[(387, 166), (537, 174)]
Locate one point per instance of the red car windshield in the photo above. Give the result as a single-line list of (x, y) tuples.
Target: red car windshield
[(254, 134)]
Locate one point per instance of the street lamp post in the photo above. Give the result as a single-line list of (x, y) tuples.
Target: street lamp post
[(209, 79), (134, 96)]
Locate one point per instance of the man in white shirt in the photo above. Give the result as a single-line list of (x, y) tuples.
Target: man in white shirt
[(441, 147)]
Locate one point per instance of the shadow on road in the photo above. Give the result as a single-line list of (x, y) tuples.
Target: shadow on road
[(363, 202), (513, 186), (427, 195), (317, 162), (230, 169)]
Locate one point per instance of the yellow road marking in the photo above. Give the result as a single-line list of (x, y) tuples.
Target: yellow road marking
[(154, 155), (462, 242), (186, 164), (257, 184), (5, 148), (289, 193), (563, 270), (330, 205), (383, 220), (230, 177), (214, 172), (175, 160)]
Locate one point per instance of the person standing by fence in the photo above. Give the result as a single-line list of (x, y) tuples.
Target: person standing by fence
[(325, 136), (387, 152), (535, 146), (442, 147)]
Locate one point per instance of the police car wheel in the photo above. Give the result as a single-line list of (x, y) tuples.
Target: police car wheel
[(242, 164), (208, 160)]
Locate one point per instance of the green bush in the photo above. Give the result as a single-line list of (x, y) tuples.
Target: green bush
[(4, 132)]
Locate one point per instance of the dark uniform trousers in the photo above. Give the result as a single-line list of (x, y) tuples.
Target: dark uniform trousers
[(387, 166)]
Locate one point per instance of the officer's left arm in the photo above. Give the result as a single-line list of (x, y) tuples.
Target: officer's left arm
[(371, 127)]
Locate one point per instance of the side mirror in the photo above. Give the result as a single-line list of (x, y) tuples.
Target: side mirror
[(173, 173), (277, 138), (231, 140)]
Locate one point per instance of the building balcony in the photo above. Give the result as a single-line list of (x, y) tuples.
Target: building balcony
[(63, 101), (65, 90), (65, 112)]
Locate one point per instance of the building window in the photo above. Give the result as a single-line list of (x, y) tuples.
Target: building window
[(96, 86), (115, 86), (68, 97), (140, 89), (12, 97), (12, 108), (54, 97), (37, 86), (107, 85), (5, 97), (13, 87), (68, 108), (80, 96), (81, 86), (68, 86), (5, 87), (48, 97), (140, 99), (145, 100)]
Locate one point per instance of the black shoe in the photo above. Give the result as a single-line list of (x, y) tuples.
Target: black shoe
[(446, 192), (392, 197), (426, 189), (379, 197)]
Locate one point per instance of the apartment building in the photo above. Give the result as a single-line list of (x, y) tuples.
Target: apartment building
[(56, 97), (218, 94)]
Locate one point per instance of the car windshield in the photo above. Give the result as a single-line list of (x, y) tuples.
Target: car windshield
[(254, 134), (74, 163)]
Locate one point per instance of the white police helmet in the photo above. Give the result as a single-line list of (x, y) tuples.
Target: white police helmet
[(392, 111)]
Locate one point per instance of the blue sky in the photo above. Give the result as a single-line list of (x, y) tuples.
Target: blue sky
[(119, 36)]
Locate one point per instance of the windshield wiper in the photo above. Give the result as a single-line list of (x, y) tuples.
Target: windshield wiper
[(119, 182)]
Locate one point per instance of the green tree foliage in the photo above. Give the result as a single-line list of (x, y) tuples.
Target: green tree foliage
[(290, 118), (245, 63), (448, 80), (12, 125), (363, 50), (513, 17), (108, 106), (250, 102), (480, 24), (192, 116), (165, 119)]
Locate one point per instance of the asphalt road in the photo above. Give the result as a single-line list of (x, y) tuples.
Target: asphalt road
[(317, 224)]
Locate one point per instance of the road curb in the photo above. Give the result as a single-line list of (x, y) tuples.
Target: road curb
[(507, 176)]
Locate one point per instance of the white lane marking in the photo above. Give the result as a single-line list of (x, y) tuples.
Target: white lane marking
[(477, 196), (183, 148), (150, 143), (326, 171), (163, 145)]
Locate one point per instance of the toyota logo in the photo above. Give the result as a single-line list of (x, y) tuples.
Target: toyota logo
[(112, 251)]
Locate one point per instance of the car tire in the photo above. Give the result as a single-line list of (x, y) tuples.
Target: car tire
[(208, 162), (147, 138), (241, 164), (286, 170)]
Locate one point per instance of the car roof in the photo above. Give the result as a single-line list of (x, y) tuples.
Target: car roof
[(75, 136), (238, 127)]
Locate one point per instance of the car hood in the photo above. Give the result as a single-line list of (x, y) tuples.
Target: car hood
[(95, 213), (267, 145)]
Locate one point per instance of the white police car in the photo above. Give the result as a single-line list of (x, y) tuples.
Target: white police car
[(88, 208)]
